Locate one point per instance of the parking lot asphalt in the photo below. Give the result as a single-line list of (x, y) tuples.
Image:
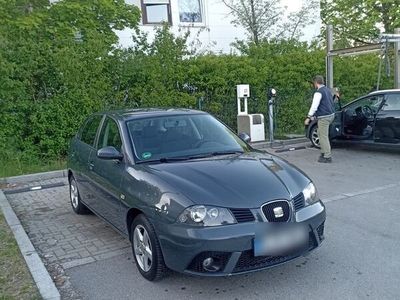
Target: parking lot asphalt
[(357, 260)]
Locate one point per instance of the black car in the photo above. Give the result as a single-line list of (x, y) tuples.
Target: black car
[(190, 195), (372, 119)]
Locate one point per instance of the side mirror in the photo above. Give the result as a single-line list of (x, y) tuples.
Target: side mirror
[(109, 153), (337, 103), (245, 137)]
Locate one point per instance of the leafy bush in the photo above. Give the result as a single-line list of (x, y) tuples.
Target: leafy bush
[(59, 63)]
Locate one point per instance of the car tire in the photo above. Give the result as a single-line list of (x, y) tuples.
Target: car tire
[(314, 136), (144, 238), (75, 198)]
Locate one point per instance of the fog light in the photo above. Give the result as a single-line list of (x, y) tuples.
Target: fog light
[(208, 262), (211, 265)]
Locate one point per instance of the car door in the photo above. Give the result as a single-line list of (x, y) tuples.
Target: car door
[(359, 116), (387, 124), (81, 150), (336, 128), (106, 175)]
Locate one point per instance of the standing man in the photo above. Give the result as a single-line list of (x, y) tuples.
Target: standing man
[(323, 109)]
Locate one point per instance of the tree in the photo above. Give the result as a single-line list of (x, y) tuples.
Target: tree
[(258, 17), (298, 20), (360, 21), (265, 19), (53, 68)]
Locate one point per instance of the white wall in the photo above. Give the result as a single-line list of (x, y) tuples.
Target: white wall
[(216, 34)]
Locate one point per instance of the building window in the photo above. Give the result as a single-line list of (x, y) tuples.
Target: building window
[(190, 11), (156, 11)]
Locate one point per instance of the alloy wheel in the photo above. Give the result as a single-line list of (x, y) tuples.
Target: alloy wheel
[(73, 193), (315, 137), (142, 248)]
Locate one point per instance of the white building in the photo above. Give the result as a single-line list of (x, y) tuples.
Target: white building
[(209, 21)]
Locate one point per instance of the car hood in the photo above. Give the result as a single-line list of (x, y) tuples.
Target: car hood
[(244, 181)]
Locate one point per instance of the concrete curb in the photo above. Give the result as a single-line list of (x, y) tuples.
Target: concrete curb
[(263, 145), (42, 278), (34, 177)]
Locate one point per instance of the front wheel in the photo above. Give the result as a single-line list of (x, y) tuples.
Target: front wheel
[(314, 138), (75, 198), (146, 249)]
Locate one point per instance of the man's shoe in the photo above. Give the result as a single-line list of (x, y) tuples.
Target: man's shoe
[(322, 159)]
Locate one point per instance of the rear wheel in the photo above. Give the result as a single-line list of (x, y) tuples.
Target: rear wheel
[(75, 198), (146, 249), (314, 138)]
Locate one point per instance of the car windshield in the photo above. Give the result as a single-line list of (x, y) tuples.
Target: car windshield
[(182, 137)]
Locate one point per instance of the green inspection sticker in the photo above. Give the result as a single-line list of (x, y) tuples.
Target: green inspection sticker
[(146, 155)]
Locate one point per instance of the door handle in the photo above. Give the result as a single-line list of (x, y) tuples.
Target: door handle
[(91, 165)]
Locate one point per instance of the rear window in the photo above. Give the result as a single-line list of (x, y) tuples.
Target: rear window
[(89, 131)]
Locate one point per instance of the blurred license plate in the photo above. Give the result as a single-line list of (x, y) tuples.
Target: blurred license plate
[(281, 242)]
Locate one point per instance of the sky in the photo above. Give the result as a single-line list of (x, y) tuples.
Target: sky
[(310, 31), (292, 5)]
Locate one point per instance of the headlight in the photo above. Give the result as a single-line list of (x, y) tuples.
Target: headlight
[(310, 193), (201, 215)]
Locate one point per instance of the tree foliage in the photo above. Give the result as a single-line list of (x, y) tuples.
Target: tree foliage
[(59, 63), (296, 21), (265, 19), (360, 21), (53, 71)]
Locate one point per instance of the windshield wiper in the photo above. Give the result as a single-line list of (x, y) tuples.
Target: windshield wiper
[(183, 158), (173, 159), (216, 153), (162, 160)]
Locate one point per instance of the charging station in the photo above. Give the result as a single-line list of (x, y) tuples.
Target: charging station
[(271, 103), (251, 124)]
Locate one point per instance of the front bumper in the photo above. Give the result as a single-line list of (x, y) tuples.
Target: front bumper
[(185, 248)]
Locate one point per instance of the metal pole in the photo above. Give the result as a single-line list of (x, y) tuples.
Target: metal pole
[(329, 58), (397, 61), (271, 119)]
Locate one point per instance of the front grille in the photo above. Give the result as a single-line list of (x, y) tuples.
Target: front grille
[(197, 263), (242, 215), (299, 202), (270, 214), (247, 261), (320, 231)]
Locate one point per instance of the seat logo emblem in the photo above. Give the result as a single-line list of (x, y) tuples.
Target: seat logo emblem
[(278, 212)]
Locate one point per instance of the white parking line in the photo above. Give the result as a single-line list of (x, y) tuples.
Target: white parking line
[(363, 192)]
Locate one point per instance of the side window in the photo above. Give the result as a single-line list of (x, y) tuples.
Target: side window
[(109, 135), (373, 102), (392, 102), (88, 133)]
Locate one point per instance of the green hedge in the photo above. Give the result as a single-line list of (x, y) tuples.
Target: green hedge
[(49, 85)]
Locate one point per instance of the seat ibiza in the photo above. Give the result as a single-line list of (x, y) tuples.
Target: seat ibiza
[(191, 195)]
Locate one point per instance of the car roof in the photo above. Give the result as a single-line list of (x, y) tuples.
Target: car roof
[(385, 91), (128, 114)]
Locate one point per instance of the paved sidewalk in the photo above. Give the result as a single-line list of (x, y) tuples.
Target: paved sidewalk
[(89, 260), (62, 238)]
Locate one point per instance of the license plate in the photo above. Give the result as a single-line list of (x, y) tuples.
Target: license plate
[(281, 241)]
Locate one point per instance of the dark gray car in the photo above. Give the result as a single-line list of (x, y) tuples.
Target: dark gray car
[(190, 194)]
